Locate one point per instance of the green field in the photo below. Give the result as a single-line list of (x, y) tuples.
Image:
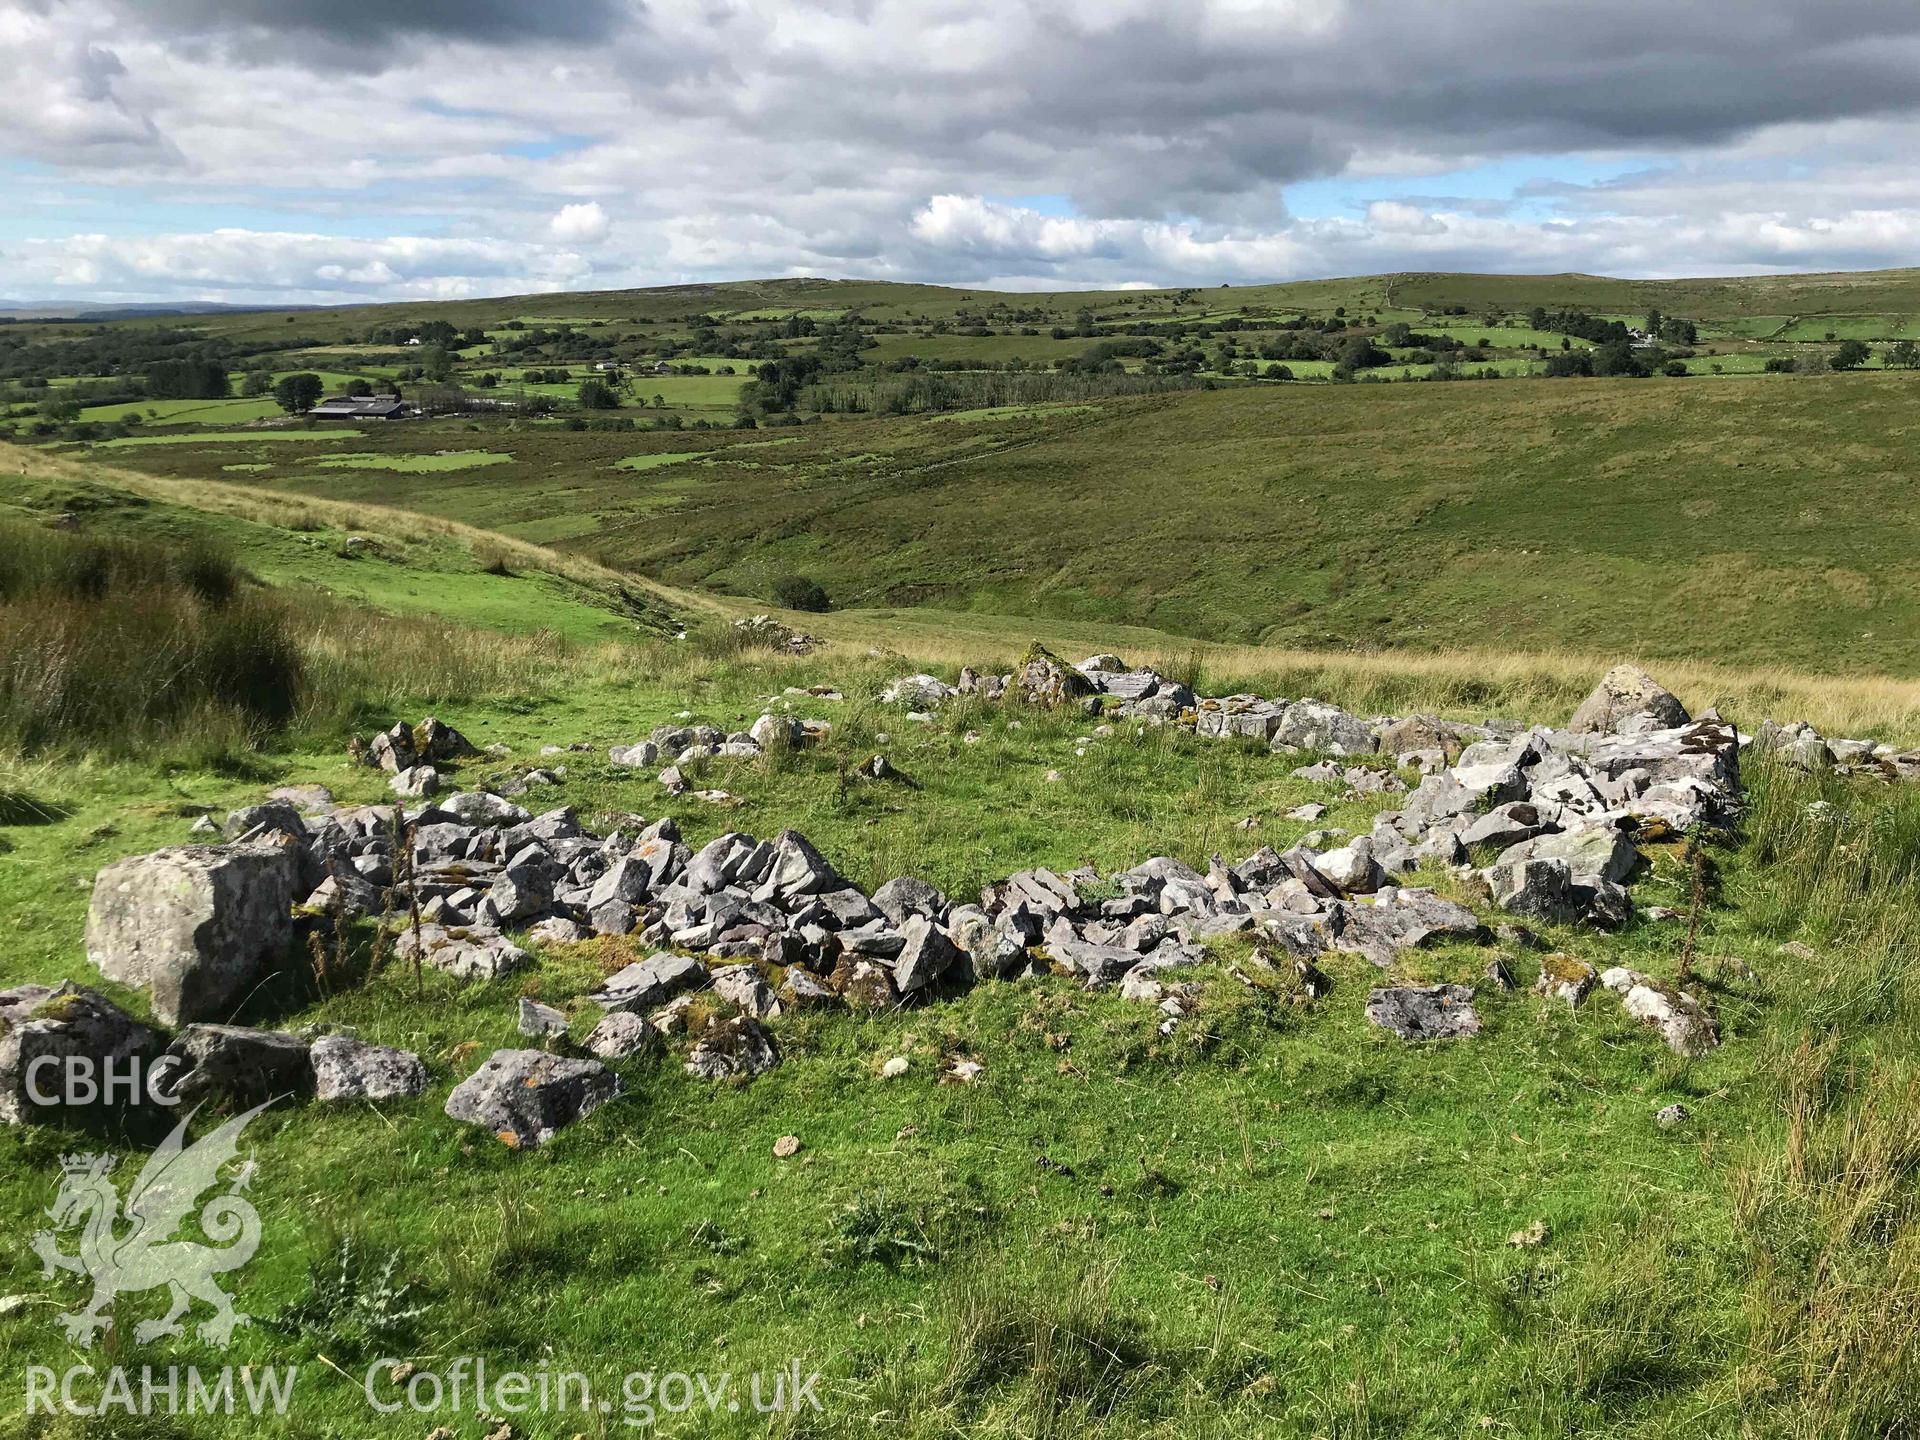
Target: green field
[(439, 461), (186, 412), (654, 462)]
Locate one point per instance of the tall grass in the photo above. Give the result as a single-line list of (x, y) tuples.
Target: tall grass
[(1829, 1203), (111, 643), (130, 648)]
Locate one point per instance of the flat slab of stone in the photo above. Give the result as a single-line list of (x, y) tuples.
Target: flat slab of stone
[(1424, 1012), (1400, 919), (649, 982), (238, 1063), (345, 1068)]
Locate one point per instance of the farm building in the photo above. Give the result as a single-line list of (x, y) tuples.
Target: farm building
[(365, 407)]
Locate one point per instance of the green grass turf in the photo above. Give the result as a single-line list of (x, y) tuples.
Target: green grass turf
[(415, 464), (1278, 1221), (655, 461), (1299, 1221)]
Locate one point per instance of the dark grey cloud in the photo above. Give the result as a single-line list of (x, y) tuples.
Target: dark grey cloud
[(1208, 110), (364, 36)]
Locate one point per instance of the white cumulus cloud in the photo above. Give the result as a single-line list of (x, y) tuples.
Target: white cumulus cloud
[(585, 224)]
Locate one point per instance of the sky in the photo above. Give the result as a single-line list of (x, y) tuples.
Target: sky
[(316, 151)]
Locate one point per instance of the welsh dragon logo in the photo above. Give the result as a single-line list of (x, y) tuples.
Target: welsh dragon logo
[(147, 1255)]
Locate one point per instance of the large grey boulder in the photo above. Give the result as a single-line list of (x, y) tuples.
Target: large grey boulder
[(237, 1063), (61, 1023), (1798, 745), (1599, 852), (742, 987), (796, 869), (437, 740), (481, 807), (1505, 825), (1098, 965), (282, 816), (771, 732), (996, 952), (1043, 678), (625, 882), (1628, 698), (394, 750), (196, 926), (1245, 716), (1417, 734), (416, 782), (525, 1097), (345, 1068), (1424, 1012), (906, 895), (1538, 889), (1315, 725), (522, 892), (1351, 869), (721, 862)]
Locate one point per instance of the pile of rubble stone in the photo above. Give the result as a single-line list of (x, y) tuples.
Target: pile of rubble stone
[(1541, 822), (1627, 701)]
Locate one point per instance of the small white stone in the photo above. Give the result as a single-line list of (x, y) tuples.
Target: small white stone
[(895, 1067)]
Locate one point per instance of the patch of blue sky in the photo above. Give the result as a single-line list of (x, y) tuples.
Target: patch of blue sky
[(547, 147), (1056, 207), (1519, 187), (36, 201)]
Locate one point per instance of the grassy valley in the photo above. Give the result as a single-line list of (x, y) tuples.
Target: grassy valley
[(1759, 522)]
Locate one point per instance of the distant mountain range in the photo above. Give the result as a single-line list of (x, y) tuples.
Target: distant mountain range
[(90, 310)]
